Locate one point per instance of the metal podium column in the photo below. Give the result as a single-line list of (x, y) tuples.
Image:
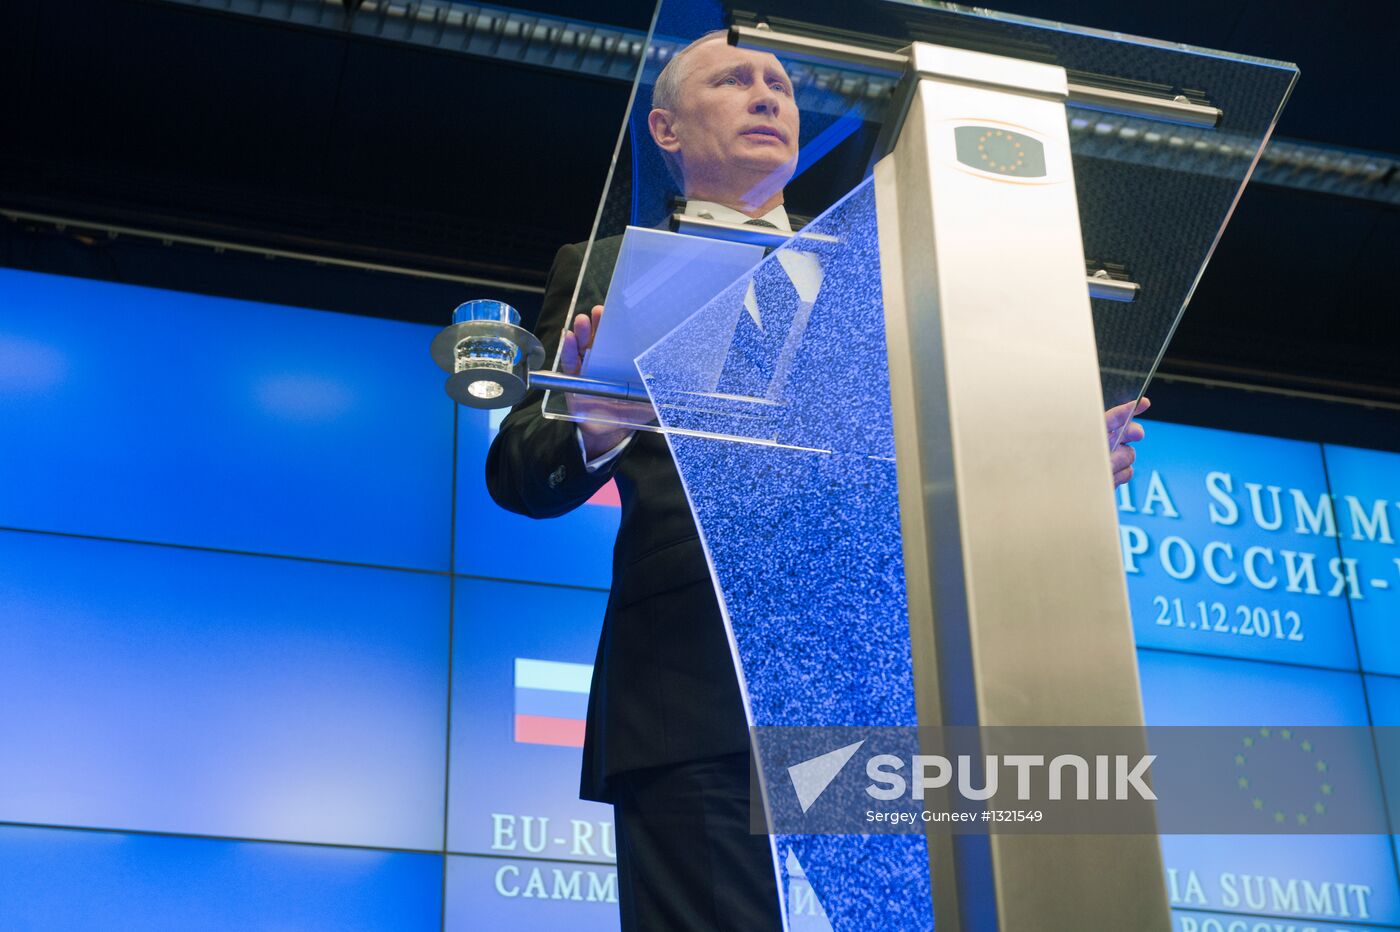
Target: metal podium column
[(1017, 601)]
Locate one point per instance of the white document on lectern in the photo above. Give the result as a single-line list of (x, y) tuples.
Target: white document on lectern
[(661, 278)]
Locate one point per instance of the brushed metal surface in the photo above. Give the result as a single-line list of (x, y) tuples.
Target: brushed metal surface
[(1017, 599)]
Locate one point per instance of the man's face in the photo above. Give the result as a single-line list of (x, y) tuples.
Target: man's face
[(734, 113)]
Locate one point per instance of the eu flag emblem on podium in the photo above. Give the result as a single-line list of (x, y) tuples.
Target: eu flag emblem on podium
[(1000, 151)]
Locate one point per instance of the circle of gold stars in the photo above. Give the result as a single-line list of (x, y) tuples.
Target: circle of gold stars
[(1301, 817), (996, 166)]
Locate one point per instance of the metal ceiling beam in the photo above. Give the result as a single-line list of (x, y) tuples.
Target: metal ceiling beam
[(576, 47), (509, 35)]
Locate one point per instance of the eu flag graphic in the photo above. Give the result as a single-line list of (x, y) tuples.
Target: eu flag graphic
[(551, 702), (1000, 151)]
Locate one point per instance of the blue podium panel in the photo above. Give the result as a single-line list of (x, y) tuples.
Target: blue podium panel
[(171, 690), (574, 549), (77, 881), (523, 657), (160, 416), (530, 895), (1323, 878), (1226, 548), (1365, 486), (786, 452)]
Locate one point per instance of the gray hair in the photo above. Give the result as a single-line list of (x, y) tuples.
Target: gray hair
[(667, 89), (665, 94)]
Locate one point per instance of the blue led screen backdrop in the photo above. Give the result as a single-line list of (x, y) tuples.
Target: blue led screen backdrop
[(1366, 486), (186, 677), (524, 655), (176, 690), (1226, 553), (573, 549), (1319, 877), (490, 893), (161, 683), (59, 879), (159, 416)]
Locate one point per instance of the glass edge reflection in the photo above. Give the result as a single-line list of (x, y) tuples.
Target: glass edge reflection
[(1210, 253), (973, 12), (647, 45)]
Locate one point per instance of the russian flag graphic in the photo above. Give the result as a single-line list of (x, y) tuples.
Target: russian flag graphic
[(551, 701), (607, 496)]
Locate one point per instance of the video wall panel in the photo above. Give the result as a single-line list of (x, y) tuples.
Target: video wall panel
[(1317, 877), (154, 415), (1366, 493), (1190, 920), (78, 881), (1383, 700), (1226, 546), (1247, 560), (572, 549), (175, 690), (522, 663), (503, 893)]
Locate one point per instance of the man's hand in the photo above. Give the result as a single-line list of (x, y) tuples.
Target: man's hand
[(1121, 457), (578, 340), (598, 438)]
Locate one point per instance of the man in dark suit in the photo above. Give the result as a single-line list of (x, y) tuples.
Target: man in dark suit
[(666, 740)]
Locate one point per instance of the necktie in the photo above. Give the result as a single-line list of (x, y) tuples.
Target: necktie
[(759, 222), (756, 356)]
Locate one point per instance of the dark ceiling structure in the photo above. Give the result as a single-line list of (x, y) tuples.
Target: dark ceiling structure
[(394, 158)]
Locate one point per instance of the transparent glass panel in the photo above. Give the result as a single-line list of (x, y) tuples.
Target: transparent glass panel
[(1154, 194), (793, 353), (777, 341), (801, 522)]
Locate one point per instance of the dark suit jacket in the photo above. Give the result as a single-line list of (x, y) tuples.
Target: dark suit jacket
[(664, 688)]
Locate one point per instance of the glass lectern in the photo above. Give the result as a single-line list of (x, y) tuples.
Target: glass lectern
[(889, 417)]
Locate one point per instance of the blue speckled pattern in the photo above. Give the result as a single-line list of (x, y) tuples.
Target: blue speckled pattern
[(801, 524)]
